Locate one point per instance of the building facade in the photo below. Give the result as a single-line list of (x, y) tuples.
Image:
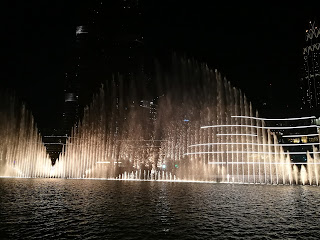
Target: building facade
[(310, 81), (298, 136)]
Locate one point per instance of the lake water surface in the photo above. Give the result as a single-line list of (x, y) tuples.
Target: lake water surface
[(101, 209)]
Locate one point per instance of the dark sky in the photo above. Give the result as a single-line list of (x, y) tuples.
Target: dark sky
[(257, 47)]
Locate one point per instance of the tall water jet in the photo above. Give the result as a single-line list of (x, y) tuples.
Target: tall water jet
[(22, 153), (303, 175), (316, 166)]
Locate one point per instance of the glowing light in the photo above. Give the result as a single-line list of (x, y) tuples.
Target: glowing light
[(143, 140), (304, 135), (216, 126), (315, 46), (56, 136), (299, 144), (237, 134), (291, 163), (80, 30), (235, 152), (275, 119), (108, 162), (255, 144), (163, 166), (70, 97), (313, 32)]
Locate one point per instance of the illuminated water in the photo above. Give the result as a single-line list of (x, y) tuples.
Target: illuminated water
[(22, 153), (194, 127), (200, 128), (93, 209)]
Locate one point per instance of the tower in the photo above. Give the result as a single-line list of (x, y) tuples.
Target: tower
[(108, 41), (310, 81), (73, 79)]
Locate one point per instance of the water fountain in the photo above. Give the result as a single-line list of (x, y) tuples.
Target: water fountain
[(203, 130), (22, 153), (198, 128)]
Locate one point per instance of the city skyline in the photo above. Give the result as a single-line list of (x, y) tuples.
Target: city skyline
[(254, 48)]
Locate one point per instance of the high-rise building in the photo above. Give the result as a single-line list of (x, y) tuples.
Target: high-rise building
[(108, 41), (76, 72), (310, 81)]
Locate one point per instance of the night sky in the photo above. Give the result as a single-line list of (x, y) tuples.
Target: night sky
[(257, 47)]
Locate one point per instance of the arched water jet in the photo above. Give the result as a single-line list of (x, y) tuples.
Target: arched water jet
[(198, 128), (194, 136)]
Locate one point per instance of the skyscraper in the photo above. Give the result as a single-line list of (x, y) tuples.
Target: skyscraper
[(77, 69), (310, 81), (108, 41)]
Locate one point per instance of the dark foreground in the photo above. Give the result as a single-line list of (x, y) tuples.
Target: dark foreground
[(95, 209)]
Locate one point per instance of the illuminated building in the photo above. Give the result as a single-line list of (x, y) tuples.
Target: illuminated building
[(151, 106), (296, 135), (310, 82)]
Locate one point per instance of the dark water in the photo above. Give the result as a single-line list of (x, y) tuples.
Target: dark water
[(93, 209)]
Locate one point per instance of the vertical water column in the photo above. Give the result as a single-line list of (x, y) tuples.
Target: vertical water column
[(276, 158), (303, 175), (247, 138), (253, 142), (270, 157), (233, 138), (289, 169), (259, 157), (219, 129), (266, 149), (242, 140), (282, 165), (238, 134), (227, 118), (316, 165), (310, 169)]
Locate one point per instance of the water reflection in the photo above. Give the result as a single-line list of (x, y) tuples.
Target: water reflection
[(93, 209)]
